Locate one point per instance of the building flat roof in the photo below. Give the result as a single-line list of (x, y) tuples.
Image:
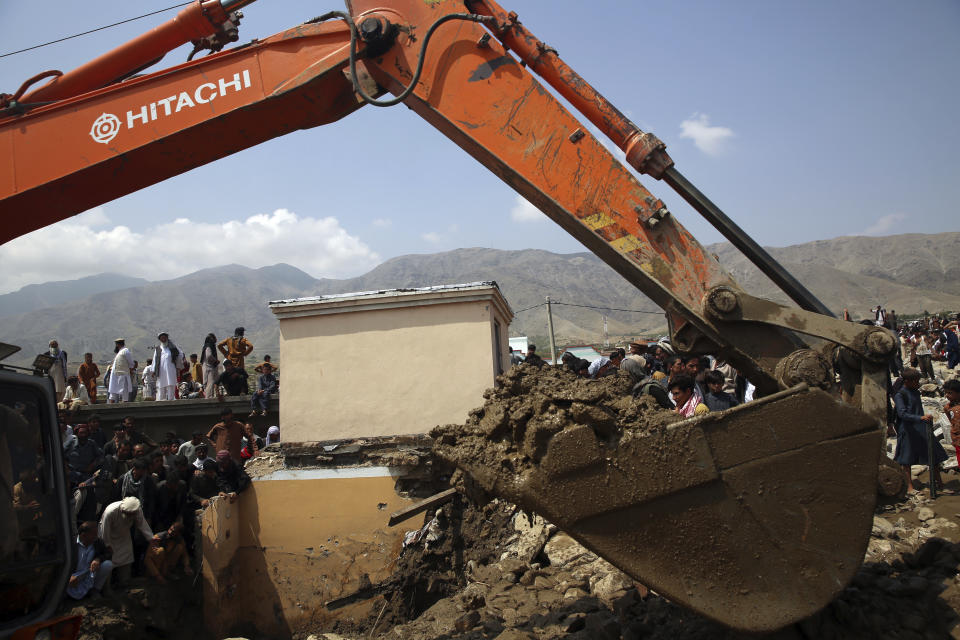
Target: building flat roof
[(388, 298)]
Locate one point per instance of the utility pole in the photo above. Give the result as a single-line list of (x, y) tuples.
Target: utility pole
[(606, 334), (553, 342)]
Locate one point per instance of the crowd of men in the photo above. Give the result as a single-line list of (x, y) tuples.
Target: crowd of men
[(136, 502), (694, 385), (169, 373), (688, 384)]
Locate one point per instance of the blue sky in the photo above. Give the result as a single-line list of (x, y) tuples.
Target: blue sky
[(803, 121)]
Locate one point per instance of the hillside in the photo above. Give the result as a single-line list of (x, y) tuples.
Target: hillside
[(909, 273), (51, 294)]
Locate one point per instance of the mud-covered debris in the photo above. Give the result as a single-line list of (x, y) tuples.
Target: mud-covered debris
[(530, 405)]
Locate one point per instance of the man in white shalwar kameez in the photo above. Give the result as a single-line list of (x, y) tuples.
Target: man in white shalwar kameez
[(121, 382), (167, 361), (115, 525)]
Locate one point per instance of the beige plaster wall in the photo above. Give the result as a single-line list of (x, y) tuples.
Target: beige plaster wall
[(272, 559), (385, 372)]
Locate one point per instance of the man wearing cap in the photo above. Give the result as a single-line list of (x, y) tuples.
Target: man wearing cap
[(236, 347), (168, 360), (115, 526), (203, 485), (189, 448), (121, 373), (201, 452)]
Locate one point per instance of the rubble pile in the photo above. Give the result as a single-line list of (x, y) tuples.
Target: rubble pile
[(538, 583), (145, 610)]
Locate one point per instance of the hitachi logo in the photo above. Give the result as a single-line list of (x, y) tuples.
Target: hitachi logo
[(106, 127), (203, 94)]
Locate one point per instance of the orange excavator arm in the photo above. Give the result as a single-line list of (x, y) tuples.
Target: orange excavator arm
[(466, 66)]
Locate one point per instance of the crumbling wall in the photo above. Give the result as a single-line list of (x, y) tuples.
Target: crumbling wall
[(305, 534)]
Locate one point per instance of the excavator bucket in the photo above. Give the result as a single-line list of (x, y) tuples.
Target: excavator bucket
[(755, 517)]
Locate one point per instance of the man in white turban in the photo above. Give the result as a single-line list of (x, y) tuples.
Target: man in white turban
[(121, 373)]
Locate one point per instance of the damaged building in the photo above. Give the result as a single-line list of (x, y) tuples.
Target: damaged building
[(365, 376)]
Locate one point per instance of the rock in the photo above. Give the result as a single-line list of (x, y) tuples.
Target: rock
[(543, 582), (562, 550), (611, 585), (473, 596), (547, 597), (879, 547), (512, 566), (925, 513), (467, 621), (574, 593), (882, 528), (532, 534), (528, 578)]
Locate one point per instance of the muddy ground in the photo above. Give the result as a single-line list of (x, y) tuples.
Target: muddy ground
[(488, 569)]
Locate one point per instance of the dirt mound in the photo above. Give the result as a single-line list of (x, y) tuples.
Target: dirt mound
[(530, 405)]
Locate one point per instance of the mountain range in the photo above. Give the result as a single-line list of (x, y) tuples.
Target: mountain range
[(910, 273)]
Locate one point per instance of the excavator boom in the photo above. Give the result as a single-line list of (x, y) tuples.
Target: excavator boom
[(466, 67)]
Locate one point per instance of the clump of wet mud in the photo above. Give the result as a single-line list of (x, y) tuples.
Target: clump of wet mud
[(528, 406)]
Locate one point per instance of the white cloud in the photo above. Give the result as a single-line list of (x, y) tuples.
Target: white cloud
[(523, 211), (885, 224), (709, 139), (432, 237), (382, 223), (86, 245)]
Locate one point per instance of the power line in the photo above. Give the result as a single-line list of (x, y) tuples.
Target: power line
[(542, 304), (77, 35), (587, 306)]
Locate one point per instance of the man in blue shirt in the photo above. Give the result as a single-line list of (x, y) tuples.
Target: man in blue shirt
[(912, 430), (93, 569), (267, 385)]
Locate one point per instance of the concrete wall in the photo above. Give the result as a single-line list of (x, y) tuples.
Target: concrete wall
[(386, 371), (287, 546)]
